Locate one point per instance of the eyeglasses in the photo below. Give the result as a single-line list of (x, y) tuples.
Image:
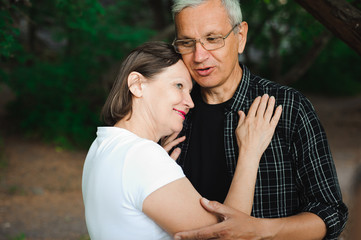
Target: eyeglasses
[(209, 43)]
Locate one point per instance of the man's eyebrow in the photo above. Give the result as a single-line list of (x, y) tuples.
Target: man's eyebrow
[(207, 34), (183, 37)]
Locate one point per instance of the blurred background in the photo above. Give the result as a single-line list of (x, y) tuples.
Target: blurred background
[(58, 60)]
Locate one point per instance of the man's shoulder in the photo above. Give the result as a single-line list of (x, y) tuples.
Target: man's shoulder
[(266, 84), (261, 86), (290, 98), (256, 84)]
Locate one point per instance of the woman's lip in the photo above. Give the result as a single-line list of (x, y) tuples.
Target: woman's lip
[(181, 113), (204, 71)]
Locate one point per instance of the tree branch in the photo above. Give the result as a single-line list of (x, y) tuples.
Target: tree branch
[(340, 17)]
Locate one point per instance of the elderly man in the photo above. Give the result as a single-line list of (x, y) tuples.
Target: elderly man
[(297, 195)]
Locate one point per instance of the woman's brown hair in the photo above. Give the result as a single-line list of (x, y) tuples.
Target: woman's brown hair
[(148, 59)]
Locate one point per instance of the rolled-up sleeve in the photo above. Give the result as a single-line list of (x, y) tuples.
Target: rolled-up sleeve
[(316, 174)]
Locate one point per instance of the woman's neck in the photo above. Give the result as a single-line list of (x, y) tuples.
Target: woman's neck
[(138, 126)]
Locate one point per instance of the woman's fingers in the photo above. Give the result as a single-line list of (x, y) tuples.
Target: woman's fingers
[(253, 109), (276, 117), (242, 116), (169, 142), (262, 106), (270, 108), (165, 140), (254, 131), (175, 154)]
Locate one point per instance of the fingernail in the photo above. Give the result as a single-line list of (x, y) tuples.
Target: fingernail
[(177, 238), (206, 200)]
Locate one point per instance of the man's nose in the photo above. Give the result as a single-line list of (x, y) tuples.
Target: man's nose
[(200, 53)]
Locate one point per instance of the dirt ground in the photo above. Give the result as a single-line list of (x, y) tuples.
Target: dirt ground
[(40, 185)]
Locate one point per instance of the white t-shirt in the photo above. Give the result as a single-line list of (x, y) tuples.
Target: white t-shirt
[(120, 171)]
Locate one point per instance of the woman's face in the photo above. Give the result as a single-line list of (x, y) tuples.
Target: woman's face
[(167, 98)]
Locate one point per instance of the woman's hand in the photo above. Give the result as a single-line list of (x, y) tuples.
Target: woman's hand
[(169, 142), (254, 131)]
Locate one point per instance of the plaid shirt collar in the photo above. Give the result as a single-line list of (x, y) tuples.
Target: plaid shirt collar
[(240, 95)]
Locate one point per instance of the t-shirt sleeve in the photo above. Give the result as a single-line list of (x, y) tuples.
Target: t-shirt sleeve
[(147, 168)]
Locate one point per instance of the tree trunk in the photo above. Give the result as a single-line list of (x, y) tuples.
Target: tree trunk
[(340, 17)]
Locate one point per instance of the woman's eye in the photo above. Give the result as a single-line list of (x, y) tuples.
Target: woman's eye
[(179, 85)]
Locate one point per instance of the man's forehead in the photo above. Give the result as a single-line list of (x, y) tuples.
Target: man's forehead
[(201, 23), (192, 30)]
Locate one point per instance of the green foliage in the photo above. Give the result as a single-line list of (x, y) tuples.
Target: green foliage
[(282, 32), (53, 101), (20, 236), (7, 34), (335, 72), (56, 66), (279, 27), (59, 90)]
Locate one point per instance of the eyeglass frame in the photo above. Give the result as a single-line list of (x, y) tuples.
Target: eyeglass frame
[(199, 40)]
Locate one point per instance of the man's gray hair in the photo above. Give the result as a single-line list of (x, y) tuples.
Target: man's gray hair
[(232, 7)]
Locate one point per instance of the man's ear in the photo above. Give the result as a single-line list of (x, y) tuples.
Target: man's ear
[(135, 84), (243, 30)]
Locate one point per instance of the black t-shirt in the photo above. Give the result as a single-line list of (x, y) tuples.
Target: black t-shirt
[(205, 162)]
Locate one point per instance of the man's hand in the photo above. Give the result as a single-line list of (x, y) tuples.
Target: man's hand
[(169, 142), (234, 225)]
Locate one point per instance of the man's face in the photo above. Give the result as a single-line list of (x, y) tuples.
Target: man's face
[(216, 68)]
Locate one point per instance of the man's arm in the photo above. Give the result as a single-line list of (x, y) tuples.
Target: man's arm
[(315, 172), (238, 225)]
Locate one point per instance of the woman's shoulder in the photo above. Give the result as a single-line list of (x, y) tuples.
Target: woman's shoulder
[(117, 137), (147, 149)]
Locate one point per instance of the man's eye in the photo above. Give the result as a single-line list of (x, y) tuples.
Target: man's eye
[(187, 43), (213, 39)]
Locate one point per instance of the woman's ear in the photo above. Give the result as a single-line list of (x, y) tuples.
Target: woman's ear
[(135, 84)]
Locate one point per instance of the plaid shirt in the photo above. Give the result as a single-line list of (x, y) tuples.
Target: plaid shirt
[(296, 172)]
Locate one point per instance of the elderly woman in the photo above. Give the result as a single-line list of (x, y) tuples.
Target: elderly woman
[(132, 188)]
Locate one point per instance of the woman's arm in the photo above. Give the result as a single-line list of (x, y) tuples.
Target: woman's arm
[(254, 133), (176, 207)]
